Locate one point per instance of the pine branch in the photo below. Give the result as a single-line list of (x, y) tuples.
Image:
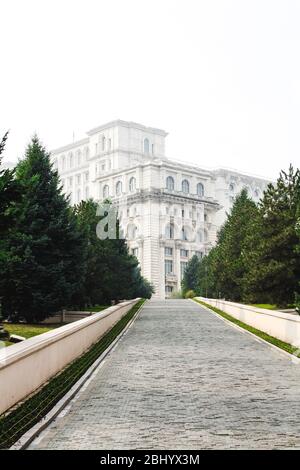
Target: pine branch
[(3, 142)]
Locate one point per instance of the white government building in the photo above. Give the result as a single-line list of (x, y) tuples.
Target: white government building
[(169, 210)]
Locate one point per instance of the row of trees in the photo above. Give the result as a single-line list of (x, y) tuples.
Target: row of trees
[(257, 255), (50, 255)]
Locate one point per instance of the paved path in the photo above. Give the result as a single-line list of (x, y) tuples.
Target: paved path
[(181, 378)]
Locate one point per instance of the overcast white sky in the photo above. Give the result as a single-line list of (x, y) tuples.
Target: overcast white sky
[(222, 77)]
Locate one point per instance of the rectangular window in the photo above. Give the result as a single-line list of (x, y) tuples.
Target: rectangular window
[(169, 289), (86, 176), (183, 265), (70, 181), (78, 179), (168, 266), (184, 253), (168, 251), (182, 213), (199, 254)]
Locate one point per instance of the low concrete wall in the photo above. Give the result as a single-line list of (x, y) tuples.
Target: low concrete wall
[(66, 316), (26, 366), (283, 326)]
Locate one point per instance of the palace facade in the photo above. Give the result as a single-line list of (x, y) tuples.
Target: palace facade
[(169, 210)]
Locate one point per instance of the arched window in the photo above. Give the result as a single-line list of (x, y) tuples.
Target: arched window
[(105, 191), (170, 183), (169, 232), (185, 186), (119, 188), (132, 184), (146, 146), (71, 160), (231, 187), (200, 189), (63, 162)]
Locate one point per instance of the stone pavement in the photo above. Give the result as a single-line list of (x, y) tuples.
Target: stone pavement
[(181, 378)]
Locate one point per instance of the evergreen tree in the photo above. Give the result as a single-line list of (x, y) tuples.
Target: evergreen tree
[(297, 294), (222, 271), (207, 285), (112, 274), (10, 193), (190, 277), (46, 248), (273, 260), (231, 265)]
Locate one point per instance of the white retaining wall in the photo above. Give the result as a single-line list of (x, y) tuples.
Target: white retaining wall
[(66, 316), (26, 366), (283, 326)]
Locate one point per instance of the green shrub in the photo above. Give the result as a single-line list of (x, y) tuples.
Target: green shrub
[(177, 294), (190, 294)]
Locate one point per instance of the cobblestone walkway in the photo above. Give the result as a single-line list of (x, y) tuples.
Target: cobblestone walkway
[(181, 378)]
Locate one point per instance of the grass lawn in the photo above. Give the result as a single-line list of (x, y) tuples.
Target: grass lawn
[(273, 307), (96, 308), (267, 306), (27, 331)]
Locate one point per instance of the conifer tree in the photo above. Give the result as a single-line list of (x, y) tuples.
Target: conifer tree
[(208, 285), (231, 265), (297, 294), (273, 260), (10, 193), (190, 277), (112, 273), (221, 272), (46, 248)]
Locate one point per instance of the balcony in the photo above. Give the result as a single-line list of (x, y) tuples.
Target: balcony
[(196, 197)]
